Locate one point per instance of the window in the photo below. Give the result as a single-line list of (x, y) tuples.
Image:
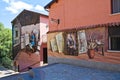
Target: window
[(115, 6), (16, 36), (16, 33)]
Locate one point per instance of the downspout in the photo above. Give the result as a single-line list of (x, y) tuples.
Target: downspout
[(12, 40), (41, 52)]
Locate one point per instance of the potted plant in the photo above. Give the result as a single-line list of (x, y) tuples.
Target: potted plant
[(91, 49)]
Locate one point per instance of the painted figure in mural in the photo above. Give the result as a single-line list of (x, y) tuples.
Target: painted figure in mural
[(53, 45), (36, 33), (31, 45), (32, 39), (71, 44), (100, 45), (81, 45), (26, 37), (60, 42)]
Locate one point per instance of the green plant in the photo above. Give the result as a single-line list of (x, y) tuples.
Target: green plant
[(5, 46), (6, 62)]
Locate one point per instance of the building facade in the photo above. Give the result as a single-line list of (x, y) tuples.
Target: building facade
[(29, 32), (74, 23)]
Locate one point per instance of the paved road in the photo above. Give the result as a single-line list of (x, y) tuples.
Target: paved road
[(66, 72), (70, 72), (5, 72)]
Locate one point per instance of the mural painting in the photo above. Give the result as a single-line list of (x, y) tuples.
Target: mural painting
[(53, 44), (70, 45), (60, 42), (82, 42), (96, 40), (30, 39), (75, 43)]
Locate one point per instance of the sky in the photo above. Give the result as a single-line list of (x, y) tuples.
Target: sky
[(9, 9)]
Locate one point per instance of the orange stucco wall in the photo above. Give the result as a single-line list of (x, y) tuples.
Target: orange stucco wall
[(76, 13)]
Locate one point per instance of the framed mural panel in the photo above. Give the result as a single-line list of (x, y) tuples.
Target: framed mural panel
[(82, 42), (53, 45), (70, 43), (60, 42)]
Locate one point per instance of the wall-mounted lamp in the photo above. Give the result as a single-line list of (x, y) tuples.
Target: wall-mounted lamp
[(57, 21)]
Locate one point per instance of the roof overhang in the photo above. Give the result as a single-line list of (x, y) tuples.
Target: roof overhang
[(49, 4), (110, 24), (25, 10)]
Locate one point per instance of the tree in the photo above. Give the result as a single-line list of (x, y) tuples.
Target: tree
[(5, 46)]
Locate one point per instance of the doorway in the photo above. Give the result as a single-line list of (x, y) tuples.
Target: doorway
[(45, 58)]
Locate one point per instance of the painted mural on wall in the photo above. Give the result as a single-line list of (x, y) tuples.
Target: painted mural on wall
[(75, 42), (82, 42), (96, 36), (60, 42), (30, 39), (70, 45), (53, 44), (64, 43)]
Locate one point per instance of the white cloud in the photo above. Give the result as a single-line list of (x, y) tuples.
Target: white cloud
[(14, 11), (15, 7), (39, 8), (7, 1)]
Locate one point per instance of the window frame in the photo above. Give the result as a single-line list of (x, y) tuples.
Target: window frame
[(113, 9), (16, 36)]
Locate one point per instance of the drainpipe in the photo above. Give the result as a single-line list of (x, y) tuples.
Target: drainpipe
[(12, 40)]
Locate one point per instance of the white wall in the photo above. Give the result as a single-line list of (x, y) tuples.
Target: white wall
[(43, 32)]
